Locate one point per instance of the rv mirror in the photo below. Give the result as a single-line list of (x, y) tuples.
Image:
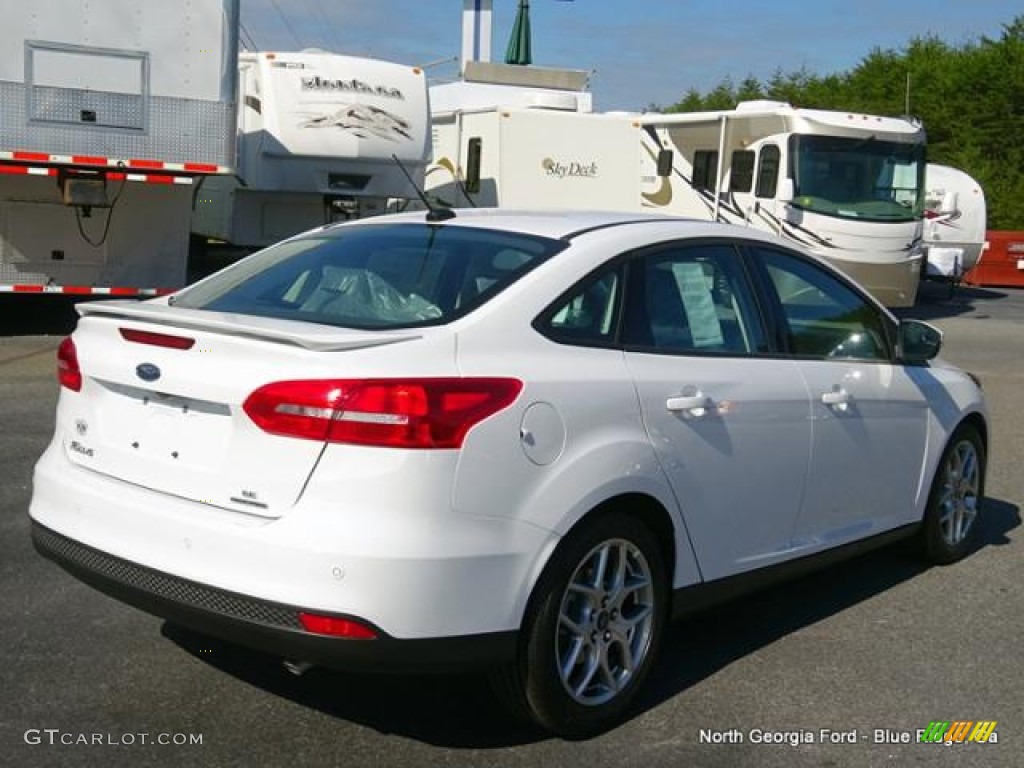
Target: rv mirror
[(786, 192), (665, 161), (473, 153)]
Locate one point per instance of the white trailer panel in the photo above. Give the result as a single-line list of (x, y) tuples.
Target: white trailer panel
[(538, 159), (120, 80), (49, 245)]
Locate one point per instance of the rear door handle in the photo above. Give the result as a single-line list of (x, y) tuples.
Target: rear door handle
[(838, 398)]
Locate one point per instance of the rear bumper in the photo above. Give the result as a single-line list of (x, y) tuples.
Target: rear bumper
[(270, 627), (401, 560)]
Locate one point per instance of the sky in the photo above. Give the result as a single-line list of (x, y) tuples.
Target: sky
[(639, 52)]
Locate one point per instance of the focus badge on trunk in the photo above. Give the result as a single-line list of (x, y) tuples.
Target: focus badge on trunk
[(147, 372)]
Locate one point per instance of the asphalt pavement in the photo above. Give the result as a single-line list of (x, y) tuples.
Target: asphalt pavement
[(836, 669)]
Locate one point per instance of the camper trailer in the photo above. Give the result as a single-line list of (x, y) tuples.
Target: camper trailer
[(848, 187), (535, 158), (321, 137), (112, 113), (954, 222)]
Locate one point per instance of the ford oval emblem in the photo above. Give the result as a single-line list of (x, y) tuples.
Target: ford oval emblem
[(147, 372)]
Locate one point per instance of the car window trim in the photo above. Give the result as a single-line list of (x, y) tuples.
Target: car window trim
[(541, 322)]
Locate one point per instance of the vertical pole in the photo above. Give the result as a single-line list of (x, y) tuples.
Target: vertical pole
[(721, 164), (476, 31)]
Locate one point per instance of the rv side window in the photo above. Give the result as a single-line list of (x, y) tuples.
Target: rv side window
[(705, 167), (768, 171), (473, 152), (741, 174)]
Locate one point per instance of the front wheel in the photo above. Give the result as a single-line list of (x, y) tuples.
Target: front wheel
[(594, 628), (952, 519)]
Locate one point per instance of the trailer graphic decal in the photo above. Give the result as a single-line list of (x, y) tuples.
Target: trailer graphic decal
[(364, 121)]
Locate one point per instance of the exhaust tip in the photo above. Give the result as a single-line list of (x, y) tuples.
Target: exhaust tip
[(296, 668)]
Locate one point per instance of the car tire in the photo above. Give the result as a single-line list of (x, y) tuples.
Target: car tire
[(953, 515), (593, 629)]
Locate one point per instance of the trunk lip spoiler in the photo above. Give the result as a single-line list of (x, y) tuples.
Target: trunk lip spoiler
[(290, 332)]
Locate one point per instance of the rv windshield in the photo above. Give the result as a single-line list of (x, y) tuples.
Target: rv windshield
[(858, 178)]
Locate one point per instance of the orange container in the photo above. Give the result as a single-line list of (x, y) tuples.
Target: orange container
[(1002, 263)]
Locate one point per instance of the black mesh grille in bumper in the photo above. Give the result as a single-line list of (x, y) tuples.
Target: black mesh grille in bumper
[(84, 560)]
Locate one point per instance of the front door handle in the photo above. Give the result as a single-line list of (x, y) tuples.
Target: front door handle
[(691, 403)]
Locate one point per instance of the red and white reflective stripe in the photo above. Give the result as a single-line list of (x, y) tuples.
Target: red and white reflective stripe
[(148, 178), (86, 290), (24, 156), (19, 170)]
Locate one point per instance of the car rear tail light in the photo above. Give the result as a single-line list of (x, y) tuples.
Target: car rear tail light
[(68, 373), (396, 413), (331, 625), (157, 339)]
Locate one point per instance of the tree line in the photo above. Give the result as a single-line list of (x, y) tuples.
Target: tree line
[(970, 99)]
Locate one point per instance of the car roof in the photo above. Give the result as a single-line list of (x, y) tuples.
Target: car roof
[(554, 224)]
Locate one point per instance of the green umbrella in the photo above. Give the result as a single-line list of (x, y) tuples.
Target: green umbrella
[(519, 43)]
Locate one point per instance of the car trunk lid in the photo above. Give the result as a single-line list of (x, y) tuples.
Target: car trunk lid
[(162, 390)]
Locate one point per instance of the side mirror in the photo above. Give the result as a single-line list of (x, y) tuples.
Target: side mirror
[(786, 191), (918, 341)]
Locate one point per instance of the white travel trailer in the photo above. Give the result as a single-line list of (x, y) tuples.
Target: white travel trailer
[(318, 134), (535, 158), (954, 222), (848, 187), (109, 113)]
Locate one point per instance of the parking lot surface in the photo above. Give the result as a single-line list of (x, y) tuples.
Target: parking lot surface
[(837, 669)]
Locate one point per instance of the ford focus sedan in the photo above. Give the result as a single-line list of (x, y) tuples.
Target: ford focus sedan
[(518, 442)]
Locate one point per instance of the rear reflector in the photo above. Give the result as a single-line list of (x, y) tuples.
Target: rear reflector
[(157, 339), (330, 625), (68, 373), (396, 413)]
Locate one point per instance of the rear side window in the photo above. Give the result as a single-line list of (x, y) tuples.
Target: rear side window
[(589, 315), (374, 276)]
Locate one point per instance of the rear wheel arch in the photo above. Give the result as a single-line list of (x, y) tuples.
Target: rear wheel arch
[(640, 506), (568, 634)]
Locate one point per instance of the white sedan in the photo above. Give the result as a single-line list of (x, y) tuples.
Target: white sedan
[(514, 441)]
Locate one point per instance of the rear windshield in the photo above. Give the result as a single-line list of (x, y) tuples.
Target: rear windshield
[(374, 276)]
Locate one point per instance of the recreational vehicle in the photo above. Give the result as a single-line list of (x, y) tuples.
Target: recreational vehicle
[(848, 187), (318, 134), (954, 222)]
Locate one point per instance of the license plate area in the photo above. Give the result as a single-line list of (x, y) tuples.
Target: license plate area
[(156, 427)]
